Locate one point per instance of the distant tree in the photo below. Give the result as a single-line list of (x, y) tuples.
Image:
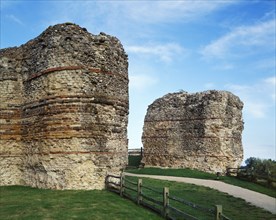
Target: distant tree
[(259, 166)]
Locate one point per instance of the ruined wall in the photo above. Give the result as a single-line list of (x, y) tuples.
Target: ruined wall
[(11, 148), (199, 131), (74, 108)]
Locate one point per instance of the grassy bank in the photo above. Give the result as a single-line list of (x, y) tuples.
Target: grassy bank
[(234, 208), (18, 202), (203, 175)]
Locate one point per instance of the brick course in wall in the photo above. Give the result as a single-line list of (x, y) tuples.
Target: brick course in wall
[(63, 109)]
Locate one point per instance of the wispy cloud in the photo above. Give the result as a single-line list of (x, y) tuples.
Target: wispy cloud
[(8, 4), (162, 11), (244, 39), (145, 11), (164, 52), (258, 98), (271, 81), (224, 66), (129, 15), (15, 19)]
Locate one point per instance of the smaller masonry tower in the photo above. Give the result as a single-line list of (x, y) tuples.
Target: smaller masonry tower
[(199, 131)]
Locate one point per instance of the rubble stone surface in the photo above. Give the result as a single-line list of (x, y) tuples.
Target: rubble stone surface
[(63, 109), (200, 131)]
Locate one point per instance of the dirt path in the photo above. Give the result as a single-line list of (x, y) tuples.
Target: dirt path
[(266, 202)]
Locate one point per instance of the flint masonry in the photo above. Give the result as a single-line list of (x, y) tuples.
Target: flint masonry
[(200, 131), (63, 109)]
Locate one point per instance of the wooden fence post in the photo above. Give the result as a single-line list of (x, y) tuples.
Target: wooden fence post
[(139, 191), (122, 183), (165, 201), (218, 212)]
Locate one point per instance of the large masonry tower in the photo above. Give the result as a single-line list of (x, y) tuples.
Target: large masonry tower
[(63, 109)]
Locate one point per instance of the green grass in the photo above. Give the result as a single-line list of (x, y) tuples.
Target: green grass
[(234, 208), (134, 160), (203, 175), (19, 202)]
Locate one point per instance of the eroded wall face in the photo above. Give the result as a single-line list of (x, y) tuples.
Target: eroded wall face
[(74, 130), (200, 131), (74, 110), (11, 149)]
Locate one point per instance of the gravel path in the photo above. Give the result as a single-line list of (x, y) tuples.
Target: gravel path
[(266, 202)]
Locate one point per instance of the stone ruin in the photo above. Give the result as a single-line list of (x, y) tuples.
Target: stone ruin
[(198, 131), (63, 109)]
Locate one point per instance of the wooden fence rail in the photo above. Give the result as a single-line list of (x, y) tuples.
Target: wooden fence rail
[(161, 203)]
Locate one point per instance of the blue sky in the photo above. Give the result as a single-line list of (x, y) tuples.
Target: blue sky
[(175, 45)]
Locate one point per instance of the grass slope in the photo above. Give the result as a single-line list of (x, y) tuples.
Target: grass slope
[(202, 175), (19, 202), (234, 208)]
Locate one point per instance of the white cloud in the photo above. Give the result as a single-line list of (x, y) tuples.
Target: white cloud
[(243, 39), (164, 52), (162, 11), (258, 98), (143, 11), (125, 16), (141, 82)]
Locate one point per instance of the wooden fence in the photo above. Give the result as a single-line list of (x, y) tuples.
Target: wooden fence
[(161, 200)]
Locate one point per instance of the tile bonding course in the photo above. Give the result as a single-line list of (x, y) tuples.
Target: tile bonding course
[(63, 109)]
